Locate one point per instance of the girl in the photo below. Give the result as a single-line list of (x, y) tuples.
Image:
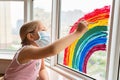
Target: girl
[(28, 61)]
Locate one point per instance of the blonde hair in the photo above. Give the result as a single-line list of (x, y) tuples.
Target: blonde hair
[(27, 28)]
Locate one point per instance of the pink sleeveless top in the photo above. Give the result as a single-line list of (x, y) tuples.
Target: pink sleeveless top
[(27, 71)]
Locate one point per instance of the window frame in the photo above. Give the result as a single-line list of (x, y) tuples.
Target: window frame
[(112, 73), (112, 62)]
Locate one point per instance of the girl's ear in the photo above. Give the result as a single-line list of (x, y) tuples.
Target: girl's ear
[(30, 37)]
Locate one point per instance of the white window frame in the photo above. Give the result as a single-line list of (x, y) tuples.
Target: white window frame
[(115, 42), (28, 10)]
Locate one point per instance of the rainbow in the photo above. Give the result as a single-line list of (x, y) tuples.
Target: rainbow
[(76, 56)]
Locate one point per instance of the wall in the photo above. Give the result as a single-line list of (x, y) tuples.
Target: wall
[(3, 65)]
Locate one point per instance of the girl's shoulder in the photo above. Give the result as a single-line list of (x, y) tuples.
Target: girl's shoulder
[(27, 47), (23, 53)]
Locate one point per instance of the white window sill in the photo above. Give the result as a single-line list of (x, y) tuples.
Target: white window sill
[(6, 56), (68, 74)]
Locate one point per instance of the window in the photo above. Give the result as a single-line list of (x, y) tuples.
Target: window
[(88, 54), (43, 13), (11, 19)]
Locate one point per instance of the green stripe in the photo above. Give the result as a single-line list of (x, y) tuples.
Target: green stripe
[(85, 38)]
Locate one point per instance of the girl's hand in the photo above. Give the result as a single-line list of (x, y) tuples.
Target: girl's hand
[(82, 27)]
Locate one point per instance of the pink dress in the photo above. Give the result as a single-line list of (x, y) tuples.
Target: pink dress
[(27, 71)]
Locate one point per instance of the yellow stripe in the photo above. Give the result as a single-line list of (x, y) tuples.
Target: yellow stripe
[(71, 54), (103, 22)]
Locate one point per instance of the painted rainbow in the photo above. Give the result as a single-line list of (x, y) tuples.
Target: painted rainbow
[(76, 56)]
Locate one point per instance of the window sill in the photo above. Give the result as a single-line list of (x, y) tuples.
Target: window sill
[(6, 56), (64, 73), (69, 74)]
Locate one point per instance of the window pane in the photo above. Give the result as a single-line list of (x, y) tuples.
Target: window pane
[(88, 54), (11, 19), (42, 10)]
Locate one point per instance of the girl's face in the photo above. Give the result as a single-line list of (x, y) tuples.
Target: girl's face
[(34, 33)]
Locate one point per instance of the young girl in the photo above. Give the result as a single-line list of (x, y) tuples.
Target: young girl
[(28, 61)]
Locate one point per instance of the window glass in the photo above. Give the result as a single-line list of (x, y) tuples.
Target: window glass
[(88, 54), (42, 10), (11, 19)]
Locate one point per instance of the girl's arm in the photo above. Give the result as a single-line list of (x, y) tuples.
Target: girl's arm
[(54, 48), (43, 74)]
